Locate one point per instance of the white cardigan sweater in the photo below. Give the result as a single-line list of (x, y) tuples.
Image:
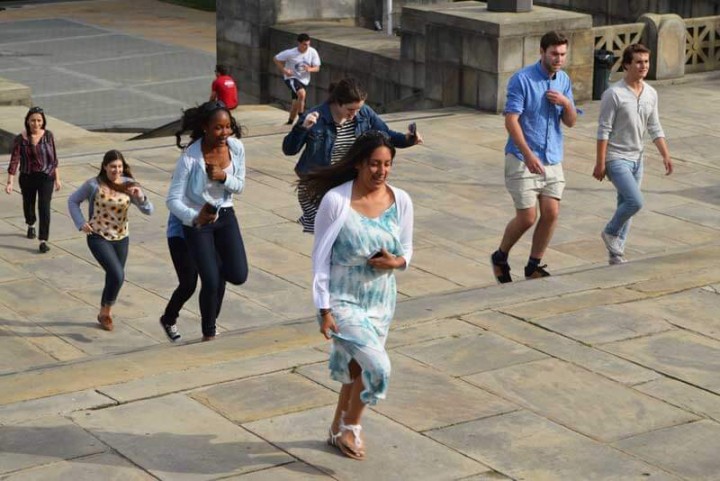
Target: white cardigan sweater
[(334, 209)]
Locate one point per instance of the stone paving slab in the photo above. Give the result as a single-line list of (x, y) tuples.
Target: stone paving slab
[(42, 441), (684, 396), (598, 325), (175, 438), (195, 377), (105, 466), (287, 472), (689, 450), (523, 445), (461, 356), (580, 400), (419, 397), (558, 347), (264, 397), (682, 355), (393, 450), (54, 405)]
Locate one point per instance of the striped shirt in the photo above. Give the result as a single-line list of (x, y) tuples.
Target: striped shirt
[(30, 158), (343, 140)]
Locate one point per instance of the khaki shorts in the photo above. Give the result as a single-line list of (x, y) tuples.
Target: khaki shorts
[(525, 187)]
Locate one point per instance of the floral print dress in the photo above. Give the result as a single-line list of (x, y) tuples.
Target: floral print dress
[(362, 299)]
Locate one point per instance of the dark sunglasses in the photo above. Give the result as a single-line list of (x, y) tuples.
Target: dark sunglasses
[(214, 105), (36, 110)]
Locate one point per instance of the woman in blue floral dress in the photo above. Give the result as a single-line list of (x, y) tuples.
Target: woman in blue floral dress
[(363, 232)]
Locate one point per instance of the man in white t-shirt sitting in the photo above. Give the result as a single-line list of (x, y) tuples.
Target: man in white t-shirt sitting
[(296, 64)]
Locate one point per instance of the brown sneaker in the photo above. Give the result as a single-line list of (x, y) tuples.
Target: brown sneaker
[(537, 272), (105, 321)]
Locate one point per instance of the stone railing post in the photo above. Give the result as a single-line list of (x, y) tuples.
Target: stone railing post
[(665, 36)]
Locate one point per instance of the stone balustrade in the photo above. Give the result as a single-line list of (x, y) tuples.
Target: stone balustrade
[(702, 46)]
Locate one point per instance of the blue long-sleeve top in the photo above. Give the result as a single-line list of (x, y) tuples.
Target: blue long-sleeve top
[(87, 192), (191, 188)]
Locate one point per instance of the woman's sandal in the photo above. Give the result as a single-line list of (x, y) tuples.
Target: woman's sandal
[(357, 451), (105, 321)]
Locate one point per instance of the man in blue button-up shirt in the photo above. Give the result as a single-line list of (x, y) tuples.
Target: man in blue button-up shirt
[(539, 98)]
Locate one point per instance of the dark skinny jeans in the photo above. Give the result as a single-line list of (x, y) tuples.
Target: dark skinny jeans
[(219, 254), (187, 275), (112, 256), (37, 186)]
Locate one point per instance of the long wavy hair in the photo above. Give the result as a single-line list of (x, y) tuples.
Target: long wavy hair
[(318, 182), (111, 156), (196, 119)]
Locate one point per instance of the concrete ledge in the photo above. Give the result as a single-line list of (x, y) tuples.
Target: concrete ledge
[(12, 93)]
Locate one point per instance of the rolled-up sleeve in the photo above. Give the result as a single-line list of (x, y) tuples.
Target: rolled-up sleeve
[(515, 100)]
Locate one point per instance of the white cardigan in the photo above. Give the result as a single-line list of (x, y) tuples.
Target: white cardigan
[(334, 209)]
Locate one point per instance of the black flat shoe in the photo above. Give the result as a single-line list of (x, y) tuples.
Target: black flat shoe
[(43, 247), (31, 232)]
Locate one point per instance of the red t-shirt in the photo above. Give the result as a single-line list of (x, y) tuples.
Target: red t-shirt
[(226, 91)]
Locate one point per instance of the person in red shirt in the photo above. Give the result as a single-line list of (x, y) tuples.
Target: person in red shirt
[(224, 88)]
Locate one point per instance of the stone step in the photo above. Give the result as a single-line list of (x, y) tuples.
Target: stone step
[(521, 306), (12, 93)]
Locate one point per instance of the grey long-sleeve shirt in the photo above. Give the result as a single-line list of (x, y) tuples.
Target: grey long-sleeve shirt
[(624, 119)]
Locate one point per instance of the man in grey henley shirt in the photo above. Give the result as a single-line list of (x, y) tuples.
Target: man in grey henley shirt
[(628, 109)]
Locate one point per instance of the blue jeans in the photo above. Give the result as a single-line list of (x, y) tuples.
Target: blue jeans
[(112, 256), (626, 176)]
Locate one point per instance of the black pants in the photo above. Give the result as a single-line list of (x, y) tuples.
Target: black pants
[(219, 254), (112, 256), (37, 186), (187, 275)]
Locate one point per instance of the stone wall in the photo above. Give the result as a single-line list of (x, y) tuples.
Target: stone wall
[(609, 12), (464, 55), (243, 34)]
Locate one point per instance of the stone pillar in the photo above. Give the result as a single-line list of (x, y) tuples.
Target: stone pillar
[(664, 35), (471, 52), (510, 5)]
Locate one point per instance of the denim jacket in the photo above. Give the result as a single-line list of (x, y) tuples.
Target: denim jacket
[(188, 188), (320, 138)]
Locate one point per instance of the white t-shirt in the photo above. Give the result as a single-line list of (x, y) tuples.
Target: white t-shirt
[(298, 62)]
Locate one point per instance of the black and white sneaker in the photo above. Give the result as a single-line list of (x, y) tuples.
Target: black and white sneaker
[(171, 331)]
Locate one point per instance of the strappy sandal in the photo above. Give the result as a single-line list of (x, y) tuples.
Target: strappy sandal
[(333, 439), (357, 451)]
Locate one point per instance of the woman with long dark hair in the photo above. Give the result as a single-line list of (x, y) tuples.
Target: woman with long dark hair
[(363, 232), (109, 196), (33, 154), (209, 172), (328, 130)]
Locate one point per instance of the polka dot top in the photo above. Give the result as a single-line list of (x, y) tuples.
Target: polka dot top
[(110, 214)]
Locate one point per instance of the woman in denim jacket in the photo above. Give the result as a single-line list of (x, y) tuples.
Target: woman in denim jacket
[(327, 132), (210, 170)]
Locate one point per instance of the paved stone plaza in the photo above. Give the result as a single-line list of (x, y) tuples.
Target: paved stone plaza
[(597, 373)]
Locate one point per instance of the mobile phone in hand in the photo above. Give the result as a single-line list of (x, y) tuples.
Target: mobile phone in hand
[(412, 128), (376, 255)]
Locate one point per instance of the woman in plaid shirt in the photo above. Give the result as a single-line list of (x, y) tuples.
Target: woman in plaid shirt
[(33, 153)]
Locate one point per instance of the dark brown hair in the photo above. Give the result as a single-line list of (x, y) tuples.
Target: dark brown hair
[(552, 38), (34, 110), (347, 91), (111, 156), (318, 182), (631, 50)]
